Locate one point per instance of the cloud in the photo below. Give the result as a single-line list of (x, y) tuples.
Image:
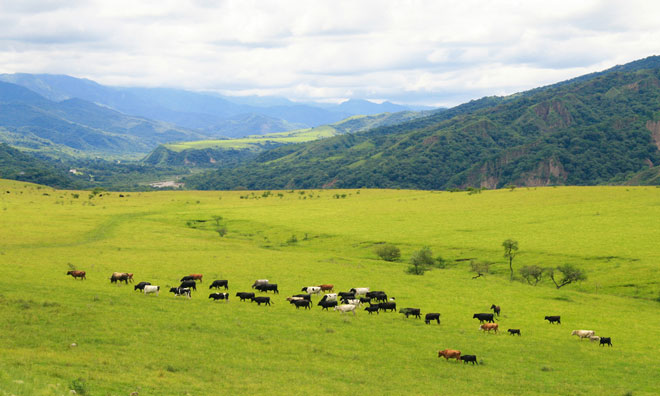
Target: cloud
[(422, 51)]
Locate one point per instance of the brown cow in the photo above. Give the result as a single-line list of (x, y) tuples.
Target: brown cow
[(121, 276), (77, 274), (325, 288), (450, 354), (197, 277), (489, 326)]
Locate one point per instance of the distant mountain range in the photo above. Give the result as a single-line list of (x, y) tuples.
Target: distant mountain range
[(601, 128)]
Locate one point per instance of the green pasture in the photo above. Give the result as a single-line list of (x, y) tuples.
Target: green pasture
[(162, 345)]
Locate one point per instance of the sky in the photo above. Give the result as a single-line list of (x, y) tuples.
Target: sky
[(436, 53)]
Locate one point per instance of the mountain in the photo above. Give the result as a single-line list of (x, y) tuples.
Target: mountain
[(597, 129), (75, 126), (16, 165)]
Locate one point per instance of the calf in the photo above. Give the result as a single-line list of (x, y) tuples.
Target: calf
[(345, 308), (484, 317), (431, 316), (77, 274), (450, 354), (496, 309), (180, 291), (469, 358), (411, 312), (371, 309), (553, 319), (140, 286), (260, 300), (150, 289), (605, 340), (489, 326), (514, 331), (188, 284), (327, 304), (219, 296), (245, 296), (218, 283), (302, 303), (387, 306)]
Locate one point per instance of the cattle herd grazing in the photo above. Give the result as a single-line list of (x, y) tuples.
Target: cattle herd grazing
[(344, 302)]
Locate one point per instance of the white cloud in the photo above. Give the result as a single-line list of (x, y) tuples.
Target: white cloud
[(436, 52)]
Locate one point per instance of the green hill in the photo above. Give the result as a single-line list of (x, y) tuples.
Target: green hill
[(16, 165), (597, 129)]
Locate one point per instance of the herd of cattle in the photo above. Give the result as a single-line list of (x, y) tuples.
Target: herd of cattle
[(343, 302)]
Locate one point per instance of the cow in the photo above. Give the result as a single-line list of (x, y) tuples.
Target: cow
[(189, 284), (120, 276), (77, 274), (450, 354), (303, 296), (180, 291), (245, 296), (150, 289), (432, 316), (219, 296), (379, 296), (312, 289), (359, 290), (365, 300), (302, 303), (268, 287), (197, 277), (489, 326), (353, 301), (371, 309), (261, 300), (259, 282), (186, 278), (327, 287), (514, 331), (469, 358), (553, 319), (594, 338), (345, 308), (605, 340), (218, 283), (411, 312), (346, 295), (496, 309), (387, 305), (583, 333), (327, 304), (329, 297), (484, 317), (140, 286)]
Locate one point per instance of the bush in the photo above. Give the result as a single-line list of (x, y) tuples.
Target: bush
[(80, 386), (388, 252), (420, 261)]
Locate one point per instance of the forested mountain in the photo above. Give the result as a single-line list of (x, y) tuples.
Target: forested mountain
[(599, 128), (16, 165)]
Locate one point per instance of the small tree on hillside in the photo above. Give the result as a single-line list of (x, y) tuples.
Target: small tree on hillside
[(388, 252), (532, 274), (510, 251), (480, 268), (569, 274), (420, 261)]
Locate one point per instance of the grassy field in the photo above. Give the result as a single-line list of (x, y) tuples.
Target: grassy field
[(163, 345)]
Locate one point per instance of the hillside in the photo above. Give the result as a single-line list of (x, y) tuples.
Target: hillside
[(593, 130), (17, 165)]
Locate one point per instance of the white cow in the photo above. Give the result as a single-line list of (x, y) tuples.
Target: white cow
[(312, 289), (354, 301), (329, 297), (150, 289), (583, 333), (360, 290), (345, 308), (594, 338)]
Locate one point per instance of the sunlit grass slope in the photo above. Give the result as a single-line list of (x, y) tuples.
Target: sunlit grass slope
[(164, 345)]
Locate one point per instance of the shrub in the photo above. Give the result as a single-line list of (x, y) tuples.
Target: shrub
[(532, 274), (80, 386), (292, 240), (388, 252), (420, 261)]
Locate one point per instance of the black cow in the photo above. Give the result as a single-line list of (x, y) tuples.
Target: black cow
[(189, 283), (365, 300), (387, 305), (488, 317), (606, 340), (372, 308), (187, 278), (514, 331), (342, 295), (305, 296), (268, 287), (219, 296), (411, 312), (377, 295), (302, 303), (327, 304), (469, 358), (245, 296), (496, 309), (220, 283), (260, 300), (140, 286), (431, 316), (180, 291), (553, 319)]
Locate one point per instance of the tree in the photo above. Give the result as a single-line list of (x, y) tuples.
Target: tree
[(510, 251), (532, 273), (420, 261), (569, 273), (481, 268), (388, 252)]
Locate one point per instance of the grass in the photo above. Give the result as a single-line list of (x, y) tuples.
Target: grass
[(171, 346)]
